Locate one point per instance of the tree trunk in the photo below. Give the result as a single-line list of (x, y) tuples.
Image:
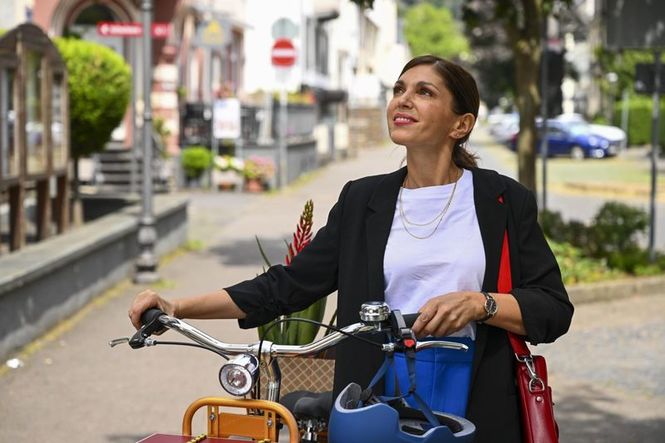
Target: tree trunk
[(528, 103), (525, 38)]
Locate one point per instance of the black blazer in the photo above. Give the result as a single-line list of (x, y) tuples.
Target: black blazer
[(347, 255)]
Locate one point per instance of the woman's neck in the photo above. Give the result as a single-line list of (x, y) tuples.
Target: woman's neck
[(428, 171)]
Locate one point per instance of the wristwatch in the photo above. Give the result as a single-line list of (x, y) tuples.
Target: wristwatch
[(490, 307)]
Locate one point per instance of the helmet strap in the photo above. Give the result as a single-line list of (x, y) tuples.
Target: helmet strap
[(405, 341)]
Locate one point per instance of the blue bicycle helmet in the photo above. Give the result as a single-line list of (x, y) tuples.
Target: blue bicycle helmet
[(353, 421)]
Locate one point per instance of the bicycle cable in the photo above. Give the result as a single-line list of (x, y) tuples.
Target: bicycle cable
[(193, 345)]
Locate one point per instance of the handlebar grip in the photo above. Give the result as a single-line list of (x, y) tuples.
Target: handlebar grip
[(150, 315), (151, 325), (410, 319)]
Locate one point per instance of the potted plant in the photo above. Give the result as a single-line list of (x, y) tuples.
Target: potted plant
[(311, 374), (195, 161), (227, 171), (258, 172)]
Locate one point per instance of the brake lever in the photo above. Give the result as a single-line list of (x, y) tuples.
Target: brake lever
[(118, 341)]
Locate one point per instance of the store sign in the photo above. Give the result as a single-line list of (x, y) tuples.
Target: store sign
[(158, 30), (119, 29), (212, 33), (226, 118)]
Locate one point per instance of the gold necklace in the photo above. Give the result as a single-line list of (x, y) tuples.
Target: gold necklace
[(438, 218)]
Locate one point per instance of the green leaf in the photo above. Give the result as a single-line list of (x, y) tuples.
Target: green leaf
[(432, 30)]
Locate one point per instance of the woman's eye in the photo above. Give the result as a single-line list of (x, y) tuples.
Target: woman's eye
[(425, 91), (397, 90)]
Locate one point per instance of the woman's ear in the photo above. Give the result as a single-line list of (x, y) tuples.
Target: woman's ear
[(463, 126)]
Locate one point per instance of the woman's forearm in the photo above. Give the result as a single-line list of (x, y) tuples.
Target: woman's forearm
[(508, 315), (216, 304)]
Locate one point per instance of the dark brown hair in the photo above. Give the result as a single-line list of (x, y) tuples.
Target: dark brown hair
[(466, 98)]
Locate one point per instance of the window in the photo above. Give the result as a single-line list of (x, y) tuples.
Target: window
[(34, 124), (58, 122), (321, 50), (8, 151)]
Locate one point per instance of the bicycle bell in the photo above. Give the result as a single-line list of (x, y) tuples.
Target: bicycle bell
[(374, 312), (238, 375)]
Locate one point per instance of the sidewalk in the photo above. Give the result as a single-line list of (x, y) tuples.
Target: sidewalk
[(73, 387), (607, 372)]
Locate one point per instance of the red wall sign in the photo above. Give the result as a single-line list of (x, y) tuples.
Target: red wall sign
[(283, 53), (119, 29), (132, 29)]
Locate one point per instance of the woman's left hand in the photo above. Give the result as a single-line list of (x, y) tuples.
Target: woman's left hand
[(448, 313)]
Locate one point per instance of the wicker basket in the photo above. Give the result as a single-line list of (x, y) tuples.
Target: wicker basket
[(303, 374)]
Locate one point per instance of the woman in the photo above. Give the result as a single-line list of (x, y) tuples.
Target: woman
[(425, 238)]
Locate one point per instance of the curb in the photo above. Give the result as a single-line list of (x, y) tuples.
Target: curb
[(616, 289)]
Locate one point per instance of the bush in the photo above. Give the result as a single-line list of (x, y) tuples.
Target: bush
[(640, 109), (195, 161), (612, 238), (615, 230), (575, 268), (99, 84), (574, 232)]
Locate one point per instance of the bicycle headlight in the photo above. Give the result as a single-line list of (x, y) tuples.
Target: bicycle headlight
[(237, 376)]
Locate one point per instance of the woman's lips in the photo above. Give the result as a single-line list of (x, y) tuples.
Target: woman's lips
[(402, 120)]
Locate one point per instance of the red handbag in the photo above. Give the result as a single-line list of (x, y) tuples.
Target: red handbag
[(537, 408)]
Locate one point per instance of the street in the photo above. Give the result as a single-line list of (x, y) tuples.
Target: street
[(607, 373)]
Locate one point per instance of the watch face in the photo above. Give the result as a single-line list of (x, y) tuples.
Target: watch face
[(490, 305)]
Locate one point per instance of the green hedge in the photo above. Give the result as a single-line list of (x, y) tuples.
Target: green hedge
[(640, 109)]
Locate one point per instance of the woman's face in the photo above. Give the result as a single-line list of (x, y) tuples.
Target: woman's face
[(420, 112)]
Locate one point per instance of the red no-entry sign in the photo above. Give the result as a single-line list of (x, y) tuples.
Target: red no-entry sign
[(283, 53)]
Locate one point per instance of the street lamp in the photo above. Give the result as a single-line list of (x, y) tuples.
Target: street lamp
[(146, 264)]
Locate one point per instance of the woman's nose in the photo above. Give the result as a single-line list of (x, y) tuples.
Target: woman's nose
[(404, 100)]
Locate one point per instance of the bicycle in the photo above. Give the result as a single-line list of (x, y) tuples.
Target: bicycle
[(304, 414)]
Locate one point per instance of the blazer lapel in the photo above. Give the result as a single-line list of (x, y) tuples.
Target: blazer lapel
[(377, 228), (492, 220)]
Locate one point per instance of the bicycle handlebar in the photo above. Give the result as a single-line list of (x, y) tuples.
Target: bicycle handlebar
[(375, 318), (155, 320)]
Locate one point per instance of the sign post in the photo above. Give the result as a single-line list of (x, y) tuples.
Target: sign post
[(283, 56), (146, 264)]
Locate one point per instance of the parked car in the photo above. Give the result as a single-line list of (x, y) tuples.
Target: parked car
[(612, 133), (503, 126), (576, 140)]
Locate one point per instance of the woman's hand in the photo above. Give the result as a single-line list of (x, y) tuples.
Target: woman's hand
[(145, 300), (448, 313)]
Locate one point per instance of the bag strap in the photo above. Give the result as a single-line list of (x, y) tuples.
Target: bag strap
[(505, 285)]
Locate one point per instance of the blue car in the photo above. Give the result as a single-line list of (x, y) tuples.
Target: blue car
[(576, 140)]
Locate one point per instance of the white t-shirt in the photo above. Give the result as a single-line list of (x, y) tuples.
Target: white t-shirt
[(451, 259)]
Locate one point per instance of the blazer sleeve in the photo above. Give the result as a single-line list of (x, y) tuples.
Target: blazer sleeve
[(282, 289), (546, 309)]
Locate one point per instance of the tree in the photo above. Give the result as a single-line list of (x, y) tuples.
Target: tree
[(432, 30), (523, 22), (99, 84), (492, 64)]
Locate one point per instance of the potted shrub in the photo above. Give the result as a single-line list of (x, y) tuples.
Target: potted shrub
[(311, 374), (195, 161), (258, 172), (227, 171)]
